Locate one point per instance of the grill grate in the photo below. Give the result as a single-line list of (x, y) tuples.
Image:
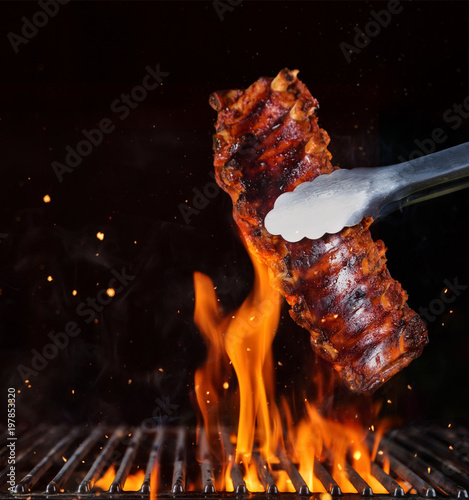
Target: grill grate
[(428, 460)]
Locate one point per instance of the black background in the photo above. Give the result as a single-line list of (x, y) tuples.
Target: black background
[(392, 93)]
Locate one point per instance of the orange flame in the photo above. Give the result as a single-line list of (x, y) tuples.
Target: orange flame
[(154, 482), (132, 483), (105, 481), (242, 341), (252, 479)]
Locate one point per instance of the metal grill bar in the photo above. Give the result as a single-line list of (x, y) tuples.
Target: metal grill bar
[(153, 460), (415, 460), (358, 482), (236, 473), (124, 468), (44, 465), (298, 482), (432, 475), (420, 485), (101, 461), (326, 479), (264, 475), (207, 478), (30, 438), (431, 449), (69, 466), (179, 469), (387, 481), (25, 453), (206, 467), (458, 441)]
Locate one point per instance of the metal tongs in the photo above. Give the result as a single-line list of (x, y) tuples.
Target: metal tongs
[(341, 199)]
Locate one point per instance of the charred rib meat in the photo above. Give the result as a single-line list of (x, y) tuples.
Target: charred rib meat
[(267, 142)]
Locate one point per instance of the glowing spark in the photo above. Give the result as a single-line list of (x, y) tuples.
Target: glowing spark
[(49, 278), (225, 385), (100, 236), (74, 292), (357, 455), (46, 199), (111, 292)]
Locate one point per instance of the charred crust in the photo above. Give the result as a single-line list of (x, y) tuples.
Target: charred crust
[(298, 307), (322, 337), (414, 333), (247, 140), (231, 163), (215, 101), (244, 145), (220, 140), (223, 99)]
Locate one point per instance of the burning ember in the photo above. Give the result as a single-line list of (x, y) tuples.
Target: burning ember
[(243, 425)]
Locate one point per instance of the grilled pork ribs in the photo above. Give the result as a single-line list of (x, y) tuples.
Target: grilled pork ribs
[(267, 142)]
